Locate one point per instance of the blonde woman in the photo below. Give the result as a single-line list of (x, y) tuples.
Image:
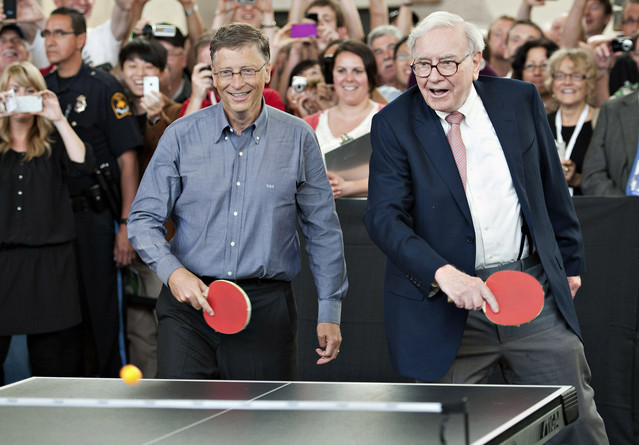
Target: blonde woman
[(39, 294), (572, 78)]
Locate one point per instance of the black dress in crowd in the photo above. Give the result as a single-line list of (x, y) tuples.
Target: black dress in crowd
[(38, 270)]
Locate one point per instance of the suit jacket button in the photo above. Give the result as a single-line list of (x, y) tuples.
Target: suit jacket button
[(470, 239)]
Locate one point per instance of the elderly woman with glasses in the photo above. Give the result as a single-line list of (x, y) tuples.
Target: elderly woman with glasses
[(530, 65), (572, 76)]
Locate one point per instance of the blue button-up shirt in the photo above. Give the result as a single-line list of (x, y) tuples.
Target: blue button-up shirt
[(235, 200)]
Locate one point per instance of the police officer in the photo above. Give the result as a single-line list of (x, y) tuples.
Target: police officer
[(96, 107)]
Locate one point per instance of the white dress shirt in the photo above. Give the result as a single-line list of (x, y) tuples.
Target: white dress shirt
[(490, 192)]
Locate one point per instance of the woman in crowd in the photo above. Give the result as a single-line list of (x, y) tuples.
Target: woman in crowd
[(37, 259), (354, 74), (530, 65), (572, 77)]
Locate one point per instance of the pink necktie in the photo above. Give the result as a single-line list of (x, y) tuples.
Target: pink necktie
[(456, 143)]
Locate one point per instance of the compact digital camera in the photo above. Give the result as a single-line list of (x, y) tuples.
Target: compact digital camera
[(624, 44)]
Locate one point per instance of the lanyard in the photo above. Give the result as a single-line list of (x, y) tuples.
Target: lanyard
[(573, 138)]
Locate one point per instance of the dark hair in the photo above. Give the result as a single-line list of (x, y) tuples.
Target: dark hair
[(607, 6), (366, 54), (203, 40), (519, 60), (302, 66), (78, 24), (237, 35), (335, 6), (149, 50), (524, 22), (397, 45), (178, 40)]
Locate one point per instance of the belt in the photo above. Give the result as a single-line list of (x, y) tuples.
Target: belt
[(521, 265), (244, 282)]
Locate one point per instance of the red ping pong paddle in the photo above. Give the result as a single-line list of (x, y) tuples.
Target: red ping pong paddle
[(231, 307), (519, 295)]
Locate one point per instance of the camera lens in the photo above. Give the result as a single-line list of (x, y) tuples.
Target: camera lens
[(147, 30)]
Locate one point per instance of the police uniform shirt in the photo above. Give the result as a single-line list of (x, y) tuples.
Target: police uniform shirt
[(99, 112)]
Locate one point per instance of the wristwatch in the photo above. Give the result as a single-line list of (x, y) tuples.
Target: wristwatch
[(153, 122), (190, 12)]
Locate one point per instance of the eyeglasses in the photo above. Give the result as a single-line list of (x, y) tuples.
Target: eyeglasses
[(13, 40), (445, 67), (533, 67), (56, 33), (246, 73), (576, 77)]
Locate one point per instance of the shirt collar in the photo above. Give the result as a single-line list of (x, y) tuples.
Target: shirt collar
[(467, 109), (222, 123)]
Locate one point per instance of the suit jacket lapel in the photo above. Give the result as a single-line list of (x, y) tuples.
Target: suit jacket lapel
[(434, 143), (629, 124), (503, 117)]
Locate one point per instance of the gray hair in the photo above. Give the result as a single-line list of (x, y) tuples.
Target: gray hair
[(442, 19), (383, 30)]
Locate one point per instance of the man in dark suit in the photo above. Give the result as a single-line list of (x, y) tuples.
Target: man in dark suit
[(613, 147), (448, 218)]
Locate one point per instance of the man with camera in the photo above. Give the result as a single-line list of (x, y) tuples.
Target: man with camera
[(102, 42), (99, 112)]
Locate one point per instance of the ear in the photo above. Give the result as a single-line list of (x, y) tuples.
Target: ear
[(342, 32), (476, 61), (267, 77), (81, 40)]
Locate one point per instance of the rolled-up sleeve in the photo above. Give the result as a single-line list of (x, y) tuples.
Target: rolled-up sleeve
[(322, 232), (159, 189)]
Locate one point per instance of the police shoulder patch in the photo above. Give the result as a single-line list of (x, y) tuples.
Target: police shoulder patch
[(120, 105)]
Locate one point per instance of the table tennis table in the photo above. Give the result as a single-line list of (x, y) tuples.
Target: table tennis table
[(108, 411)]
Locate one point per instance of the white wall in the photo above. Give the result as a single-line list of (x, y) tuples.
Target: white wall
[(480, 12)]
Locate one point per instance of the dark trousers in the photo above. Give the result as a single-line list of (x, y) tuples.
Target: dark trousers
[(51, 354), (265, 350), (543, 352), (98, 291)]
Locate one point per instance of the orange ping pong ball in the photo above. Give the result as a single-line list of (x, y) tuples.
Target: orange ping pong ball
[(130, 374)]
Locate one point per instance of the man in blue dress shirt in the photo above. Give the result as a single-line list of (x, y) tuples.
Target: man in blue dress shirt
[(235, 178)]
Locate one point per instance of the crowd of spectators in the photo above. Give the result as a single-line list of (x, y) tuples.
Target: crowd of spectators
[(330, 72)]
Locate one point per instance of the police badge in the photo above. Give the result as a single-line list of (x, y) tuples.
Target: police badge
[(80, 103)]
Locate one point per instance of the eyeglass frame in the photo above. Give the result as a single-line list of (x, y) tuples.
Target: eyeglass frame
[(56, 33), (233, 73), (575, 77), (436, 66), (532, 66)]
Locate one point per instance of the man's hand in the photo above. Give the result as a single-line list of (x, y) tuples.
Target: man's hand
[(575, 284), (187, 288), (123, 252), (465, 291), (329, 337), (201, 82)]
